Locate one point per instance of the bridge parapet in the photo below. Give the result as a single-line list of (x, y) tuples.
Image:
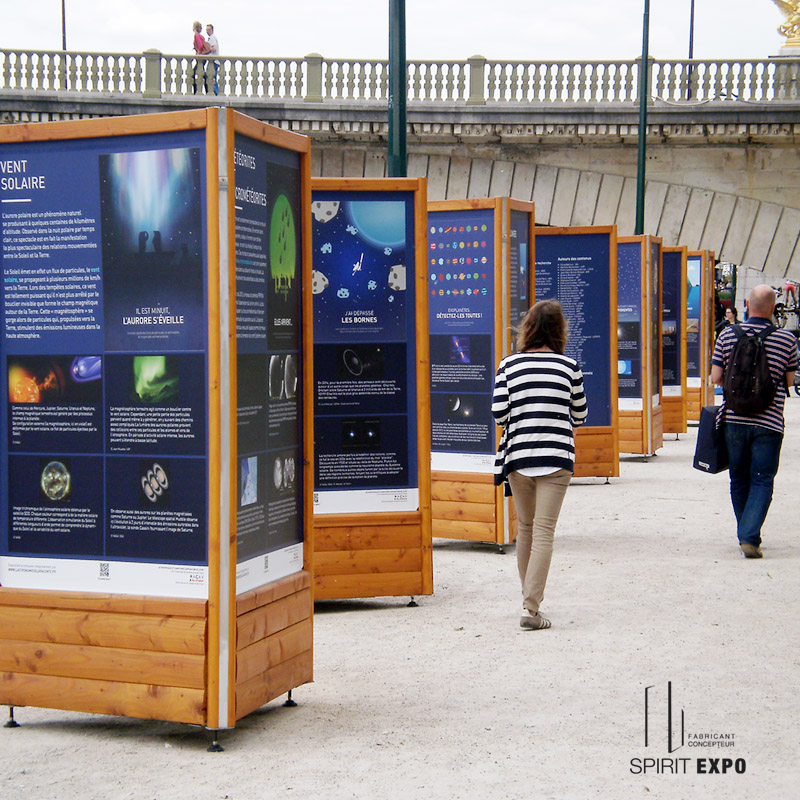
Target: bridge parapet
[(471, 82)]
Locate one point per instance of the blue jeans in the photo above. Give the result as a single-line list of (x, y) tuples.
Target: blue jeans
[(754, 452)]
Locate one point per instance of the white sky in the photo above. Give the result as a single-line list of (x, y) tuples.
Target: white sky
[(436, 29)]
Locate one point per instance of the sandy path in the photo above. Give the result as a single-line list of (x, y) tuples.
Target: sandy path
[(453, 700)]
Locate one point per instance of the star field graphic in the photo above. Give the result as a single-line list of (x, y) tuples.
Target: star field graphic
[(151, 209), (359, 279)]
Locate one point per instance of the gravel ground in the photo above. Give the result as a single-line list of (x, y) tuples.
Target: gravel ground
[(453, 700)]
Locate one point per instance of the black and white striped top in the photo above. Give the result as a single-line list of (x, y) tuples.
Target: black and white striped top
[(538, 398), (782, 358)]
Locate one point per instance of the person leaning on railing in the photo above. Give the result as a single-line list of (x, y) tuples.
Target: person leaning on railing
[(200, 47), (213, 50)]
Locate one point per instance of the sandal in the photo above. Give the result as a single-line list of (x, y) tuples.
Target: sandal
[(534, 623)]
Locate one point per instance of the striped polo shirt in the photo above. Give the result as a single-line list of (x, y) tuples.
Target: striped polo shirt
[(538, 398), (782, 358)]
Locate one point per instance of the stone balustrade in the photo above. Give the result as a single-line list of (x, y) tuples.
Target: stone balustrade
[(475, 81)]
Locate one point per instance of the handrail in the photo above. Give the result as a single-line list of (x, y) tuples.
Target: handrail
[(474, 81)]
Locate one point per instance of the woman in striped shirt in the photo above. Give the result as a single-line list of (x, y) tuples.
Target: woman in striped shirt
[(538, 400)]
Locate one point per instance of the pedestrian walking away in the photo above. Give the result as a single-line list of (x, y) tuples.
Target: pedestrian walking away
[(754, 437), (212, 43), (538, 400)]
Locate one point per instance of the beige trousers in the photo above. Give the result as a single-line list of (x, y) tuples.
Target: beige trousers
[(537, 501)]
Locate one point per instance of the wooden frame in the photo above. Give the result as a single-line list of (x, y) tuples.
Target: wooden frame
[(700, 392), (641, 431), (466, 504), (389, 553), (673, 398), (597, 447), (205, 662), (272, 625)]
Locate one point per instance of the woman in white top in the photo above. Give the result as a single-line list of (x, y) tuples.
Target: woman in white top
[(538, 400)]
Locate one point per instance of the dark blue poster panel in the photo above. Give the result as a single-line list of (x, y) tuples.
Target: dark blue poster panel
[(694, 311), (671, 364), (269, 531), (630, 344), (574, 268), (519, 262), (103, 398), (365, 408), (461, 323), (655, 309)]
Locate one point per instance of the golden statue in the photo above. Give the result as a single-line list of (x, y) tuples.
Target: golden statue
[(791, 28)]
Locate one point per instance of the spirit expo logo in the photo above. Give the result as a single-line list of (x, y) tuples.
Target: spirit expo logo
[(665, 726)]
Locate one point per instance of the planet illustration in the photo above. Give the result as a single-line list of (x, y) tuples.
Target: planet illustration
[(55, 481), (282, 244), (381, 223)]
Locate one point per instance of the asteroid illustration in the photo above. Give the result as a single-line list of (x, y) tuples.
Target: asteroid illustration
[(397, 278), (325, 211), (319, 283)]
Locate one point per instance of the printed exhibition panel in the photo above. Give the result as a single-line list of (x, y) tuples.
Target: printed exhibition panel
[(694, 313), (630, 367), (575, 268), (267, 216), (365, 408), (519, 278), (461, 307), (655, 316), (103, 401), (671, 300)]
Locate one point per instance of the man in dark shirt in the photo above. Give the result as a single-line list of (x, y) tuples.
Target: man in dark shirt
[(754, 442)]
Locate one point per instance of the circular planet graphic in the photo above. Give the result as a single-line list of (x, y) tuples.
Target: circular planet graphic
[(381, 223), (55, 481), (282, 243)]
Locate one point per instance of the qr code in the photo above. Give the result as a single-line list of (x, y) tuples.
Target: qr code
[(266, 563), (104, 570), (316, 497)]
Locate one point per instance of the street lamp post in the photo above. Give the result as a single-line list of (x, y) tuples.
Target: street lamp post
[(397, 89), (644, 68), (691, 51)]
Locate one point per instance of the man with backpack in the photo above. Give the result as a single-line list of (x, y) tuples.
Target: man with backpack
[(755, 363)]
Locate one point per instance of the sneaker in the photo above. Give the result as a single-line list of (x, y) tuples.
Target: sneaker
[(534, 622), (751, 550)]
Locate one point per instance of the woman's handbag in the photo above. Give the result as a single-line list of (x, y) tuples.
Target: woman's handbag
[(711, 452)]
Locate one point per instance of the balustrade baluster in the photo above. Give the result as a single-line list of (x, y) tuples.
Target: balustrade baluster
[(764, 83), (591, 82), (561, 83), (743, 81), (138, 74), (167, 76), (29, 73), (517, 87), (341, 80), (576, 84), (446, 84), (359, 81), (372, 82), (490, 82), (601, 83)]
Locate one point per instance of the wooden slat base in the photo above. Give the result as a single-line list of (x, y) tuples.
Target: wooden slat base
[(274, 641), (377, 555), (104, 654), (468, 506)]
